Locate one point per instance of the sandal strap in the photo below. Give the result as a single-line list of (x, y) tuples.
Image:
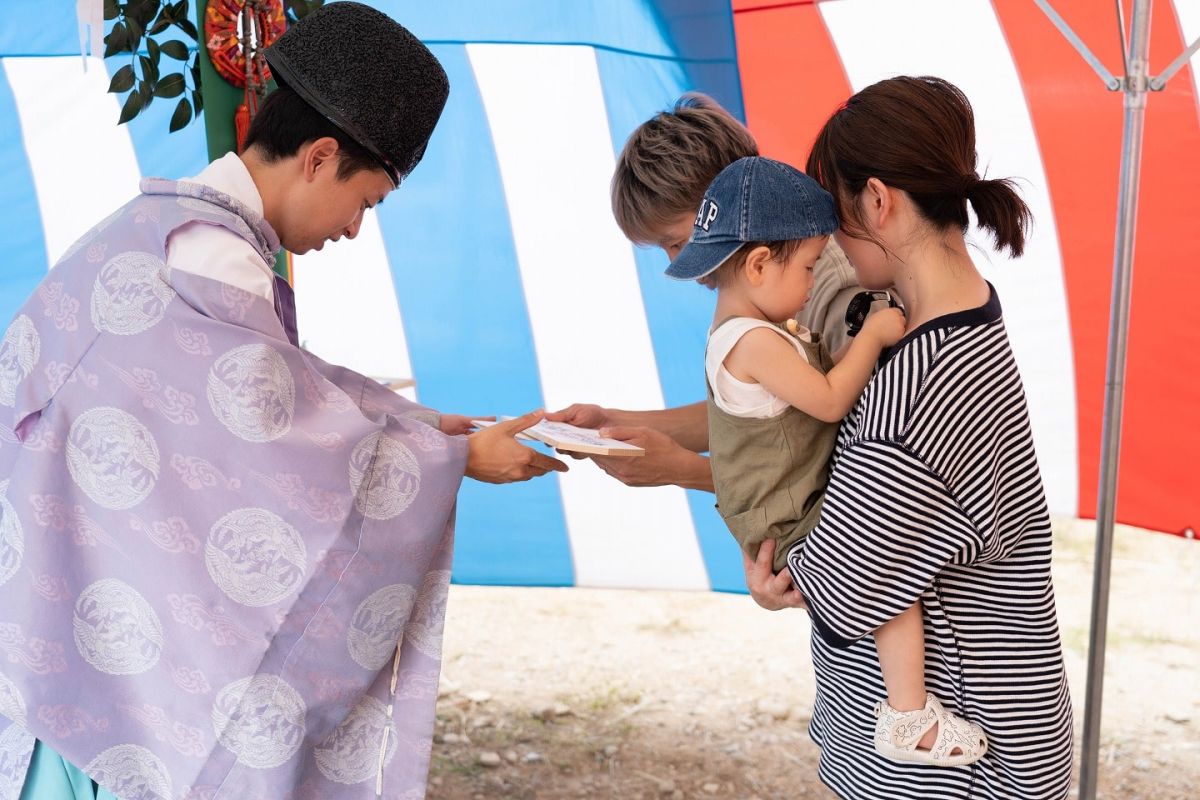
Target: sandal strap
[(954, 732), (905, 728)]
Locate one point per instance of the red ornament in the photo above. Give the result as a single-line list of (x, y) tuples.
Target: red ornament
[(236, 32)]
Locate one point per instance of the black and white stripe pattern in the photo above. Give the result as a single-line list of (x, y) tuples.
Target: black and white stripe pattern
[(935, 494)]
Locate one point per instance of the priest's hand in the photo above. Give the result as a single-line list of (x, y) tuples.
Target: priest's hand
[(494, 456), (457, 424)]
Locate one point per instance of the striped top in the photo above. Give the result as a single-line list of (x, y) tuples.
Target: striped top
[(935, 495)]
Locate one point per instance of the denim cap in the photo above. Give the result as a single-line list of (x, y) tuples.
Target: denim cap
[(754, 199)]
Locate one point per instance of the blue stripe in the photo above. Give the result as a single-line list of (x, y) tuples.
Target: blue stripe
[(44, 28), (699, 32), (449, 241), (679, 314), (702, 38), (51, 28), (25, 260), (673, 29)]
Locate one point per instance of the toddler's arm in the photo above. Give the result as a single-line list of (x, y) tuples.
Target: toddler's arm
[(764, 356)]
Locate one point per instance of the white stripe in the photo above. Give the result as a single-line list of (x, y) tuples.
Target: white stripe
[(962, 41), (82, 162), (1188, 13), (546, 111), (347, 309)]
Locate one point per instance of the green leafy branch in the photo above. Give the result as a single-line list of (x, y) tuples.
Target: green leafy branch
[(147, 75)]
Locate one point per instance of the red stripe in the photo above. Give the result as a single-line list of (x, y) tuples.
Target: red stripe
[(792, 77), (1078, 126), (758, 5)]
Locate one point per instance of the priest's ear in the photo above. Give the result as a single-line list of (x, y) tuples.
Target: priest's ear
[(287, 126), (320, 154)]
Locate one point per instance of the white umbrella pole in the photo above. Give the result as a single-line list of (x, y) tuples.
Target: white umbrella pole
[(1135, 87)]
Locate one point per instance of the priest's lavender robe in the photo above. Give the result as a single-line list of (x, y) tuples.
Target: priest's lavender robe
[(223, 562)]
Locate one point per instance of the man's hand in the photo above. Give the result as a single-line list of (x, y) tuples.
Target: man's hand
[(582, 415), (457, 424), (494, 456), (665, 463), (771, 591)]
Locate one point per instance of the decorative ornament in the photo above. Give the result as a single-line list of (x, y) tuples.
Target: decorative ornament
[(236, 33)]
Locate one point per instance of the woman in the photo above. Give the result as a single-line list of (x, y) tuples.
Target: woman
[(934, 494)]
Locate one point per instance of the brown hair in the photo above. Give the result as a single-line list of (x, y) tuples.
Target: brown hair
[(918, 135), (668, 162), (723, 275)]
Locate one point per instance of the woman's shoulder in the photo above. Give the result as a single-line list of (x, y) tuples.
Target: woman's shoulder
[(948, 391), (936, 375)]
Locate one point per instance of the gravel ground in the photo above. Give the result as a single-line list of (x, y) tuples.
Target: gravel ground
[(567, 693)]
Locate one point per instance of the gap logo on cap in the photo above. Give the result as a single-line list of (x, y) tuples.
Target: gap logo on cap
[(707, 213), (788, 205)]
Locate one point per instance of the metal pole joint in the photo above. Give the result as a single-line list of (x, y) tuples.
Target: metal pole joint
[(1136, 83)]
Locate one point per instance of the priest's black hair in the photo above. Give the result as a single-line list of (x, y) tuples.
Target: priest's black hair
[(285, 123)]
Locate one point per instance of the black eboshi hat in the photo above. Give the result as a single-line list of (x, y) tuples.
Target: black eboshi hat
[(369, 76)]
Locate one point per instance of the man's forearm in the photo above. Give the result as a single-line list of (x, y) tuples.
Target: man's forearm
[(695, 472), (687, 425)]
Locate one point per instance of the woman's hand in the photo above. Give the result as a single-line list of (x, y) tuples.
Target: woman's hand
[(494, 456), (770, 590)]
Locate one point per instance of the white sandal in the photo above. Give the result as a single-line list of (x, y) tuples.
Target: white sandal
[(897, 733)]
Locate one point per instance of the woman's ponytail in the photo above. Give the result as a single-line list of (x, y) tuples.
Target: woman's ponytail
[(1001, 210)]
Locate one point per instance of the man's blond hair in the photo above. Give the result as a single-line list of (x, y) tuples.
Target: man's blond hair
[(670, 160)]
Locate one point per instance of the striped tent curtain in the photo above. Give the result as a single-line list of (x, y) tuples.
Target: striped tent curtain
[(1043, 116), (497, 278)]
